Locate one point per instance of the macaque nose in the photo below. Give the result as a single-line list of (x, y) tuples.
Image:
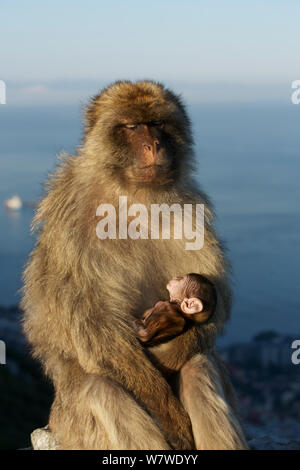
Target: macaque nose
[(148, 147), (153, 148)]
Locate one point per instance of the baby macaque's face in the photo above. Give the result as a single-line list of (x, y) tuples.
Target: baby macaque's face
[(177, 288)]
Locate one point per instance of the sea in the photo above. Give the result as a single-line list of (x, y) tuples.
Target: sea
[(248, 161)]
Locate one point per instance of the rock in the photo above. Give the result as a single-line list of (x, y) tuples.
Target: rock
[(43, 439)]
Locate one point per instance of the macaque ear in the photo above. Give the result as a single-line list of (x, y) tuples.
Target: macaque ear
[(191, 306)]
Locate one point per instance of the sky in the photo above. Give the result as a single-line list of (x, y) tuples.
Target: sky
[(55, 51)]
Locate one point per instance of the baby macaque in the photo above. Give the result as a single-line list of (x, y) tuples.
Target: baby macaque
[(192, 300)]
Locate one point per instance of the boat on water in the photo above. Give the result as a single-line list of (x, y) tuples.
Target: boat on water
[(14, 203)]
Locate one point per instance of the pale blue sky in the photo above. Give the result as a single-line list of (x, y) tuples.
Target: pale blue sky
[(253, 43)]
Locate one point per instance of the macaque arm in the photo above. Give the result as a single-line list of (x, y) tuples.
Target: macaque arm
[(102, 353)]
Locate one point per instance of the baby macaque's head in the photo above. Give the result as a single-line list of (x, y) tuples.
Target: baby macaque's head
[(193, 292)]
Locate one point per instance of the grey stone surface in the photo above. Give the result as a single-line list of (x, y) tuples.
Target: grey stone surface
[(43, 439)]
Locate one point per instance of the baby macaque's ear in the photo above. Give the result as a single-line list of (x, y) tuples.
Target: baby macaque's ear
[(191, 306)]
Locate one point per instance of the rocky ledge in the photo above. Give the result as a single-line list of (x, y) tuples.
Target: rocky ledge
[(43, 439)]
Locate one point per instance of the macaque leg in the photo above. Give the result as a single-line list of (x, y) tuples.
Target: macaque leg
[(125, 422), (106, 417), (202, 392)]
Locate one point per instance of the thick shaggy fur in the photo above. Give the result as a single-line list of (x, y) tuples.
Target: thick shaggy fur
[(81, 293)]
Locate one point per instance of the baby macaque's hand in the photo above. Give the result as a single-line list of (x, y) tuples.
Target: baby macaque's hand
[(139, 324)]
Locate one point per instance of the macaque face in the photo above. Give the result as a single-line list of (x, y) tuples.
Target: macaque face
[(150, 153), (139, 134), (177, 288)]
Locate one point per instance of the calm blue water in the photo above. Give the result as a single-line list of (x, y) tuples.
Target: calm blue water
[(249, 163)]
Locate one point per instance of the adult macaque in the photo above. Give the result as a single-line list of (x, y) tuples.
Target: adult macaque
[(81, 294), (192, 300)]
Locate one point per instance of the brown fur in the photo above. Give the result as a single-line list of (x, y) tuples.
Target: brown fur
[(81, 294), (209, 400)]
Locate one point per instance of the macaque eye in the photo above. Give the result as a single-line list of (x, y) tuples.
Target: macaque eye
[(157, 123), (130, 126)]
